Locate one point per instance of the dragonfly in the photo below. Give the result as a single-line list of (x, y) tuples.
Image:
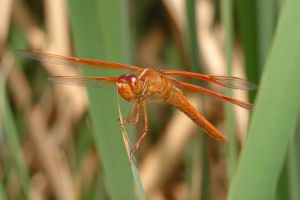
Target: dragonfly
[(144, 84)]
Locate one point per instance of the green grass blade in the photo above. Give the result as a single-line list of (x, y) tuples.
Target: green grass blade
[(248, 36), (282, 189), (135, 172), (193, 52), (294, 164), (231, 150), (274, 115), (2, 194), (191, 35), (205, 171), (100, 30), (266, 21), (12, 139)]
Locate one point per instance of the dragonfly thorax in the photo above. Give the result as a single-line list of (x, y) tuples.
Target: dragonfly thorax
[(129, 86)]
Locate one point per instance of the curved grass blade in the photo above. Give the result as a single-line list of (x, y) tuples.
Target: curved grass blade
[(99, 32), (275, 113), (131, 158)]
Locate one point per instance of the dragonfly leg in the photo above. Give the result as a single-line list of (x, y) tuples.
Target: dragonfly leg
[(131, 119), (145, 129)]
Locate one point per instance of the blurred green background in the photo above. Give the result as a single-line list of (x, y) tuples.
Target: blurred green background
[(61, 141)]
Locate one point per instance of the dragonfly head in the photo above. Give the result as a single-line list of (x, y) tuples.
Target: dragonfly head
[(129, 86)]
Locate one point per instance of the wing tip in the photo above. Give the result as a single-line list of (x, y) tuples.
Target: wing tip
[(218, 136), (221, 138)]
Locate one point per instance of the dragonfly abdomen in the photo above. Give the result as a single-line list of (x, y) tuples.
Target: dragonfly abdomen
[(177, 99)]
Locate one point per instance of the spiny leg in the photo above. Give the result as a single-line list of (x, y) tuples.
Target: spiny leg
[(129, 119), (145, 128), (134, 110)]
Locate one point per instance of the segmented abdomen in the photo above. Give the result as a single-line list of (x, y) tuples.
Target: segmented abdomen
[(177, 99)]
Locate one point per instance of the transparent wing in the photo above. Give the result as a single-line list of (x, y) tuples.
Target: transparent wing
[(94, 81), (226, 81), (194, 88), (68, 60)]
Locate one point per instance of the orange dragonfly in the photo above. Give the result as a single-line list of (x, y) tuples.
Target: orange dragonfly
[(150, 84)]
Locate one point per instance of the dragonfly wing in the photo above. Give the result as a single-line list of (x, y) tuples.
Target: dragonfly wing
[(94, 81), (225, 81), (68, 60), (233, 82), (195, 88)]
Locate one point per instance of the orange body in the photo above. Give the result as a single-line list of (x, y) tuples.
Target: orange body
[(157, 86), (177, 99), (147, 83)]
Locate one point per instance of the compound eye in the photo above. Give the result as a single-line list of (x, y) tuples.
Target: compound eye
[(132, 79)]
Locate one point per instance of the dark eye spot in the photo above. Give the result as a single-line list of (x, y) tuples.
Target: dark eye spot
[(131, 76), (131, 79)]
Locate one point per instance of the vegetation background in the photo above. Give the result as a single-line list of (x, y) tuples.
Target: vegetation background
[(63, 142)]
